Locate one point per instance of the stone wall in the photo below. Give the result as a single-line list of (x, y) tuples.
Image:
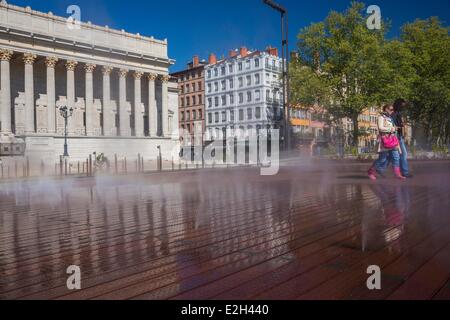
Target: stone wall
[(50, 148)]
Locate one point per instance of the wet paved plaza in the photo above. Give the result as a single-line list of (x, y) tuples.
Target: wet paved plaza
[(309, 232)]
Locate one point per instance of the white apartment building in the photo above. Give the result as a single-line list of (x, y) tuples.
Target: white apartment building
[(243, 92)]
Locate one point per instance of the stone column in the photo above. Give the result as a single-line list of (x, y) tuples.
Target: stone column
[(89, 69), (165, 105), (28, 59), (108, 121), (50, 62), (124, 121), (152, 108), (138, 119), (71, 65), (5, 107)]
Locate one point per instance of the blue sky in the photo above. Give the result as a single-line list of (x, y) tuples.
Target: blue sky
[(205, 26)]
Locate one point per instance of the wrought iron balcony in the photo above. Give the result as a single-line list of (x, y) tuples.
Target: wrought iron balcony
[(273, 68), (273, 101)]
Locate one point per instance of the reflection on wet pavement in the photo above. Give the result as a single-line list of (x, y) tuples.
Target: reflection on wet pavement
[(309, 232)]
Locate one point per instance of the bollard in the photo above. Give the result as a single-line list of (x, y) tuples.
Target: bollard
[(42, 168), (138, 163), (115, 164), (87, 167), (2, 169), (173, 165), (90, 165), (15, 169), (60, 166), (65, 166), (142, 164), (28, 166)]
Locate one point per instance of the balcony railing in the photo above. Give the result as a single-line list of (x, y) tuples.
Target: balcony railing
[(273, 68), (274, 117), (276, 83), (273, 101)]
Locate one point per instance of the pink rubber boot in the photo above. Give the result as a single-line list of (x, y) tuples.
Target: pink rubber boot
[(398, 174), (371, 173)]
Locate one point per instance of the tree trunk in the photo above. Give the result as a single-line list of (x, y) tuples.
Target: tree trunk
[(447, 132), (355, 130)]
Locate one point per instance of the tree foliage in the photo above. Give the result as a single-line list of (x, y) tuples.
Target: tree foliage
[(346, 68), (429, 44)]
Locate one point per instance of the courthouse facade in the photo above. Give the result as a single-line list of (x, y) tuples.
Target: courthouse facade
[(117, 84)]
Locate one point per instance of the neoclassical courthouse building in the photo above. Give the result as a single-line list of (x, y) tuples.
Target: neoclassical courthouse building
[(117, 84)]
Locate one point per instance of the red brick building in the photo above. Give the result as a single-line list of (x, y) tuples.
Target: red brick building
[(191, 85)]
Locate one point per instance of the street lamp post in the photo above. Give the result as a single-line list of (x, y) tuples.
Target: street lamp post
[(66, 113), (285, 67), (159, 158)]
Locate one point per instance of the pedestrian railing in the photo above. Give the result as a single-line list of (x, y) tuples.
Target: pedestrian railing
[(23, 168)]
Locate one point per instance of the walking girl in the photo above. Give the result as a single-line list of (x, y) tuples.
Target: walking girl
[(388, 145)]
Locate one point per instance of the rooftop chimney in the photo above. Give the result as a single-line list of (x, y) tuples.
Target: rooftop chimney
[(243, 51), (272, 51), (232, 53), (212, 59), (195, 61)]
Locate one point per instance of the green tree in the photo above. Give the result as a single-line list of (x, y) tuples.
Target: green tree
[(429, 43), (399, 74), (310, 89), (347, 67)]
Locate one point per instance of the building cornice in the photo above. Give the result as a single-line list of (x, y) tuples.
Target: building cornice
[(194, 69), (95, 60), (89, 25), (34, 25)]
